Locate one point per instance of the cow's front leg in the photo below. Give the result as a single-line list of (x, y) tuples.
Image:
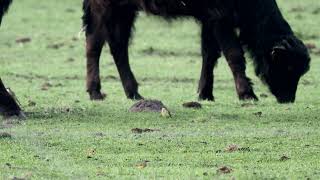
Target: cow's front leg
[(210, 53), (232, 49)]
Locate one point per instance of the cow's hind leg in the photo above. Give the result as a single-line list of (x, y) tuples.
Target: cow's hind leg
[(119, 26), (210, 54), (232, 49)]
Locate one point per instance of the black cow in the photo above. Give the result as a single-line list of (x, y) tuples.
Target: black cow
[(280, 58)]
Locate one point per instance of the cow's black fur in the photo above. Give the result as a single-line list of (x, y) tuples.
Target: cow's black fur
[(280, 58), (278, 55)]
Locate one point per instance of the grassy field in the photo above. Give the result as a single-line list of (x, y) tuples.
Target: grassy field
[(66, 136)]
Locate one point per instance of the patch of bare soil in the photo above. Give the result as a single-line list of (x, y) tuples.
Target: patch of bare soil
[(45, 86), (140, 131), (306, 82), (23, 40), (11, 121), (5, 135), (248, 104), (70, 60), (258, 114), (193, 105), (297, 9), (234, 148), (316, 11), (284, 158), (164, 53), (56, 46), (143, 164), (31, 103), (99, 134), (224, 170), (172, 80), (147, 106), (263, 95)]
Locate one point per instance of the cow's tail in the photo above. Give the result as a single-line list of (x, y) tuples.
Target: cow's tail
[(4, 6)]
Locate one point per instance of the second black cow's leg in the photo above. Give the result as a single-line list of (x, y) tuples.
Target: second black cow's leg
[(210, 53), (119, 27), (232, 49), (8, 105)]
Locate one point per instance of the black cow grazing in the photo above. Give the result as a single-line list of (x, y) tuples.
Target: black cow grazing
[(112, 21), (280, 58), (8, 105)]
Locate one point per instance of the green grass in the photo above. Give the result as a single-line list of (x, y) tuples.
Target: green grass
[(65, 127)]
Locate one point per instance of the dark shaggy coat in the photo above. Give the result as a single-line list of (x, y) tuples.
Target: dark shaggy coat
[(280, 58), (112, 21), (263, 31)]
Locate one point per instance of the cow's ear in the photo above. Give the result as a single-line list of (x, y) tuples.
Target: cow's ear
[(278, 52)]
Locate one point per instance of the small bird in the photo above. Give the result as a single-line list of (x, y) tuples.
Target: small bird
[(142, 165), (165, 113)]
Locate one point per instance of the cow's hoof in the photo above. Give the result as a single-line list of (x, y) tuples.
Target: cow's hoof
[(249, 96), (135, 96), (97, 96), (206, 97), (14, 114)]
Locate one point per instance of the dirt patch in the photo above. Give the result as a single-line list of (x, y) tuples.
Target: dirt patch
[(193, 105), (11, 121), (147, 106), (143, 164), (224, 170), (45, 86), (311, 46), (258, 114), (232, 148), (140, 131), (5, 135), (18, 178), (316, 11), (297, 9), (70, 60), (99, 134), (284, 158), (306, 82), (32, 76), (23, 40), (166, 79), (31, 103), (56, 46), (263, 95), (248, 104), (70, 10), (235, 148), (150, 51)]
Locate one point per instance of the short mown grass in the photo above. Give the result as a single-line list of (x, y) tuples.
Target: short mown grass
[(66, 136)]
